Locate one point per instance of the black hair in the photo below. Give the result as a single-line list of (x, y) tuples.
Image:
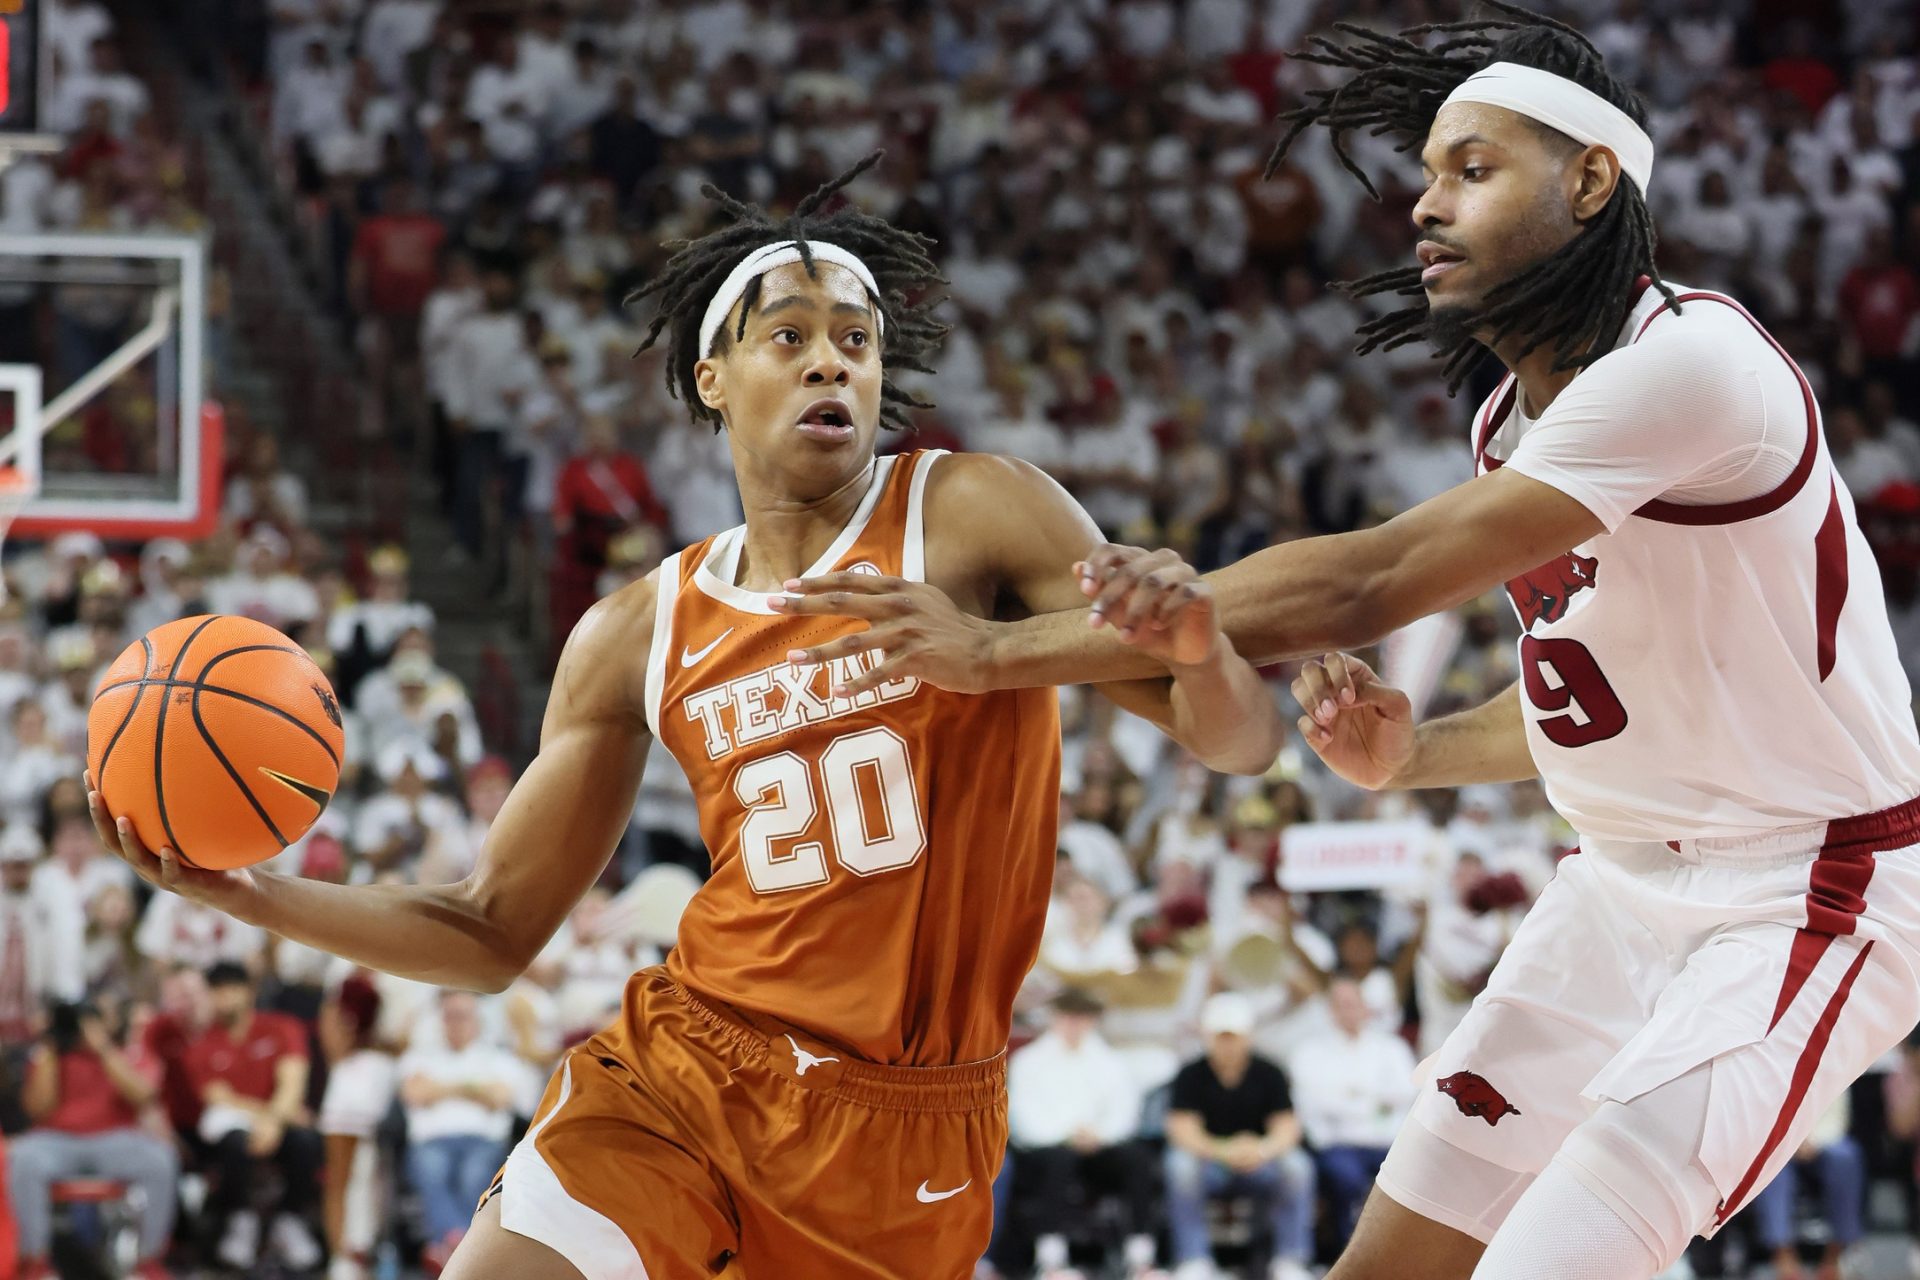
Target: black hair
[(901, 262), (1575, 299), (226, 973)]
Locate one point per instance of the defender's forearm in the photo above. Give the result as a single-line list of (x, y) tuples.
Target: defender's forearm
[(1224, 713), (1485, 744)]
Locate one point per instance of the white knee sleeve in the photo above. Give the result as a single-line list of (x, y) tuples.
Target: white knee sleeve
[(1563, 1230), (1642, 1160)]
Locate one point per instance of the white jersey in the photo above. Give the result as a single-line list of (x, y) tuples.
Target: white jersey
[(1705, 668)]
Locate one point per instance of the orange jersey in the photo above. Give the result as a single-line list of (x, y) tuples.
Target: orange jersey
[(881, 864)]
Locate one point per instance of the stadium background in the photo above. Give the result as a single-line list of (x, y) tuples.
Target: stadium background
[(423, 217)]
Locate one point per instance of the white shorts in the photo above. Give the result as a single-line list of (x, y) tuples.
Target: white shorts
[(1788, 962)]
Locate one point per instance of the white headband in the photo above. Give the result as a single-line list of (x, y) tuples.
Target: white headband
[(1559, 103), (765, 259)]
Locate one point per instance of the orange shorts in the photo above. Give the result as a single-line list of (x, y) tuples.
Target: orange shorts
[(684, 1137)]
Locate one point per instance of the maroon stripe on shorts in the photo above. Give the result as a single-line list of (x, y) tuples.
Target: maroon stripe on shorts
[(1803, 1073)]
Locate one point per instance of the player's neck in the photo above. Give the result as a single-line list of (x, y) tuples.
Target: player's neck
[(1540, 382), (787, 534)]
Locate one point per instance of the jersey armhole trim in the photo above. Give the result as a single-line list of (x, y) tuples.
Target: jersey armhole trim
[(913, 550), (665, 595), (1764, 504)]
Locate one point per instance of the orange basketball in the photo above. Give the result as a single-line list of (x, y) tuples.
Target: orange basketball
[(218, 738)]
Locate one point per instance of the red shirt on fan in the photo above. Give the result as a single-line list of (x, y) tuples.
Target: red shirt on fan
[(247, 1063), (89, 1101), (401, 255), (1881, 304)]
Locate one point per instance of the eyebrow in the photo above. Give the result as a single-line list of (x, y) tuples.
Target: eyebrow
[(1458, 143), (801, 300)]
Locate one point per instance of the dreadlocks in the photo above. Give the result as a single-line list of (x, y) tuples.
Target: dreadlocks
[(1575, 299), (900, 262)]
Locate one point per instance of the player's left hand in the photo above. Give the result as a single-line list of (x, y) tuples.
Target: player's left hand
[(917, 629), (1153, 600)]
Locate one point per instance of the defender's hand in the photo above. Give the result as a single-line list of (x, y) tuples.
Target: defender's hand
[(915, 627), (1153, 600), (1362, 728), (222, 890)]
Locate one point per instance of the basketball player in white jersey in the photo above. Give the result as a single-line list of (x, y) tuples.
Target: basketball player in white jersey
[(1710, 689)]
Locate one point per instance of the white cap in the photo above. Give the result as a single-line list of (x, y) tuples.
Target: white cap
[(20, 843), (411, 667), (1227, 1014)]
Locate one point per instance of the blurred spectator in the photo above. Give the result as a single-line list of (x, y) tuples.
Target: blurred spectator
[(362, 1082), (490, 368), (40, 948), (86, 1092), (249, 1069), (453, 849), (1072, 1114), (1353, 1086), (175, 931), (601, 492), (459, 1102), (1232, 1131), (366, 631), (264, 584), (394, 827), (1082, 935)]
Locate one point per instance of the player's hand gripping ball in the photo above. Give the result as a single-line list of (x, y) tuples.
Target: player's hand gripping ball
[(216, 737)]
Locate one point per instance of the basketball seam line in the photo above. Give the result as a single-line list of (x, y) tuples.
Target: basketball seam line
[(160, 737), (290, 718), (249, 699), (224, 654), (233, 773), (106, 755)]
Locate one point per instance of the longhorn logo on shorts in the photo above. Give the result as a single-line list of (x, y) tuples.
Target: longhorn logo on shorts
[(803, 1061), (1475, 1097), (1543, 593)]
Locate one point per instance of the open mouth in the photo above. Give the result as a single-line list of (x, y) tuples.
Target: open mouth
[(830, 420), (1436, 261)]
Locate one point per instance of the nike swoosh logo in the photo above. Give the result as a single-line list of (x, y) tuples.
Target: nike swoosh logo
[(307, 789), (925, 1196), (689, 657)]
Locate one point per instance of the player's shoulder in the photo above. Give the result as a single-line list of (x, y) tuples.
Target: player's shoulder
[(599, 662), (986, 484), (1693, 324)]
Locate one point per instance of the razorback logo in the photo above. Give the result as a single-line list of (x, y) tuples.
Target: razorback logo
[(1475, 1097), (1544, 592)]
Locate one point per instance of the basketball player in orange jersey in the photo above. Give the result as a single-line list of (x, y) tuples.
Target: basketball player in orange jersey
[(813, 1084)]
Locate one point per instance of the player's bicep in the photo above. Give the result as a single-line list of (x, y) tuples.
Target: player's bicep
[(1045, 534), (566, 814)]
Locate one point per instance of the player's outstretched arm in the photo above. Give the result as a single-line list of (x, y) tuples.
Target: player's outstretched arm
[(1364, 730), (998, 529), (548, 845), (1292, 600)]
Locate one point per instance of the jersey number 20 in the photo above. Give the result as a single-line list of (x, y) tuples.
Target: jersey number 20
[(872, 807)]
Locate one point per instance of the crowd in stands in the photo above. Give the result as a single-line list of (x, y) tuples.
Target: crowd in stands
[(1206, 1061)]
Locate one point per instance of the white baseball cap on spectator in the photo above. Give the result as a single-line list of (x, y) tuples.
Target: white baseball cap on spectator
[(19, 842), (78, 545), (1227, 1014), (411, 668), (398, 755), (269, 539), (164, 551)]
